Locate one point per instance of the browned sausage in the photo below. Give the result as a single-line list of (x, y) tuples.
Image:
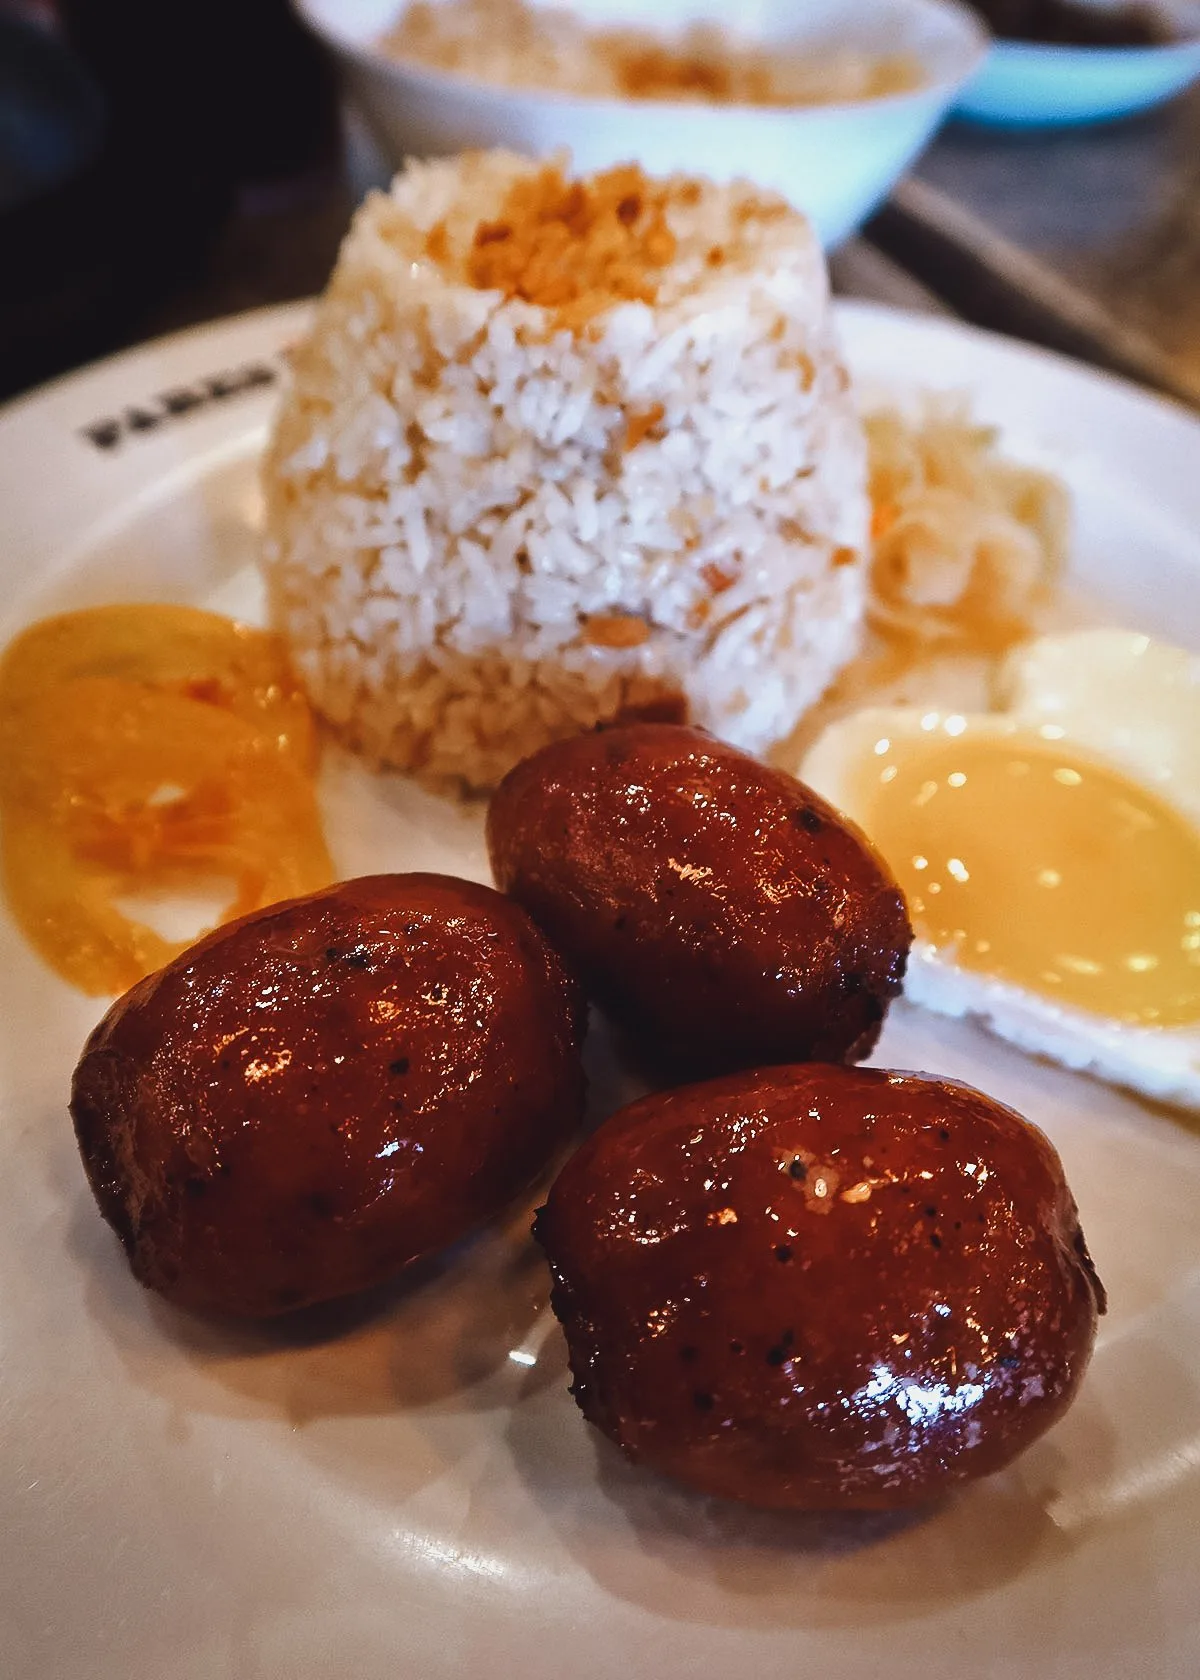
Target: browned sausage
[(719, 910), (821, 1286), (325, 1090)]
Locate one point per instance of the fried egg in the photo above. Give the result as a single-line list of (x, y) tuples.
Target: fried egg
[(1049, 851)]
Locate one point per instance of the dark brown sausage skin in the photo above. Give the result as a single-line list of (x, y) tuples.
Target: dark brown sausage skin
[(821, 1287), (317, 1094), (718, 910)]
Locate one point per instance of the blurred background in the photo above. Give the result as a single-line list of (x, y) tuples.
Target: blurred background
[(162, 165)]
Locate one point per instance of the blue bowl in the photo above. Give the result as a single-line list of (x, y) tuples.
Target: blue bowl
[(1030, 85)]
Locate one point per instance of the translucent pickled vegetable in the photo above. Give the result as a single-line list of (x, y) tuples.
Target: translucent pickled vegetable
[(178, 649), (149, 750)]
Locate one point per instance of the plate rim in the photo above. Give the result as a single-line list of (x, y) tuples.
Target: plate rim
[(296, 314), (283, 319)]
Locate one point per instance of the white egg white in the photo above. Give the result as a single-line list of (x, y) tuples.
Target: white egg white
[(1125, 699), (1133, 701)]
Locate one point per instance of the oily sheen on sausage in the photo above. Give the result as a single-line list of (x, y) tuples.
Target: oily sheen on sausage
[(820, 1287), (316, 1095), (717, 909)]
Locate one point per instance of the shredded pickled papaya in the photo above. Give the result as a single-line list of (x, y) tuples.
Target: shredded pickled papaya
[(145, 750)]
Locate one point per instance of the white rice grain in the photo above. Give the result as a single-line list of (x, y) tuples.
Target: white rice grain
[(457, 536)]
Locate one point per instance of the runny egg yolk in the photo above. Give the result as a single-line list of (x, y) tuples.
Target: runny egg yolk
[(1057, 874)]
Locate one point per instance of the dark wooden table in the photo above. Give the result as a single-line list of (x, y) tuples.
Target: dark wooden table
[(1086, 240)]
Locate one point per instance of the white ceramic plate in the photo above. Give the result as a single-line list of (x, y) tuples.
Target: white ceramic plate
[(407, 1491)]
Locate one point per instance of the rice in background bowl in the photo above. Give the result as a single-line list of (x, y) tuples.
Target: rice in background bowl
[(835, 161), (555, 453), (550, 48)]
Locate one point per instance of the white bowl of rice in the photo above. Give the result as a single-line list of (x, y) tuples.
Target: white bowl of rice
[(826, 103)]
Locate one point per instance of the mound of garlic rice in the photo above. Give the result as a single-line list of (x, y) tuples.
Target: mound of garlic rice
[(558, 452)]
